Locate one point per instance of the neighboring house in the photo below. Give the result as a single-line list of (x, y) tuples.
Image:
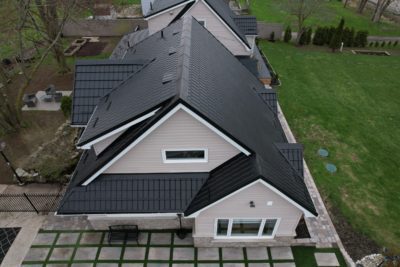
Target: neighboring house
[(187, 130)]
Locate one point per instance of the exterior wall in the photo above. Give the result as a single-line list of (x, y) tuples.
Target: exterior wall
[(100, 146), (159, 22), (179, 131), (237, 206), (201, 12)]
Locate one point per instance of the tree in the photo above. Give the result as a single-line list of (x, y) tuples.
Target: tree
[(272, 37), (337, 37), (348, 37), (303, 37), (288, 35), (361, 39), (361, 6), (302, 10), (380, 7), (319, 36)]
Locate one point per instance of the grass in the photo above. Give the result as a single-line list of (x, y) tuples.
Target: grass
[(126, 2), (349, 104), (330, 14), (304, 256)]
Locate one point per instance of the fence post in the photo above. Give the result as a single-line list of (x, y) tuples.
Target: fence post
[(30, 202)]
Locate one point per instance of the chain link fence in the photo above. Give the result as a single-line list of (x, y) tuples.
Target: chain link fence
[(30, 202)]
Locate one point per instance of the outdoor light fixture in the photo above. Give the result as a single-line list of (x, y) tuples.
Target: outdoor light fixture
[(2, 147), (252, 204)]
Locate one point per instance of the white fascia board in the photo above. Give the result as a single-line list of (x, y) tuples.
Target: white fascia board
[(120, 129), (155, 126), (168, 10), (227, 26), (305, 212)]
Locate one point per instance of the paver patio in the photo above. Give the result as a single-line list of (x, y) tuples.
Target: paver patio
[(281, 253), (326, 259)]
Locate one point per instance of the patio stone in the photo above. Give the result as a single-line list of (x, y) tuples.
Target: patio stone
[(82, 265), (232, 254), (257, 253), (281, 253), (133, 265), (107, 265), (210, 254), (207, 264), (91, 238), (86, 253), (30, 265), (61, 254), (57, 265), (44, 239), (159, 253), (157, 264), (188, 240), (259, 265), (68, 239), (183, 254), (160, 239), (142, 240), (285, 264), (37, 254), (110, 253), (134, 253), (183, 265), (326, 259), (234, 265)]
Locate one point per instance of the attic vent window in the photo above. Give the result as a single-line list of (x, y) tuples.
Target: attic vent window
[(167, 77), (172, 50)]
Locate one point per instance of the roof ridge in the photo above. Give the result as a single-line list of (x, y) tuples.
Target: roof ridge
[(184, 58)]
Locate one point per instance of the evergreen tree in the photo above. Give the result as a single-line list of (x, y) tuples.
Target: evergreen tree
[(383, 44), (272, 37), (395, 43), (351, 37), (308, 36), (288, 34), (389, 43), (361, 39), (376, 44), (319, 36), (337, 37), (303, 37)]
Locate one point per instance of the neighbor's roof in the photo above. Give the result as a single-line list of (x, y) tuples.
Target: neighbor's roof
[(241, 25), (94, 79), (186, 70)]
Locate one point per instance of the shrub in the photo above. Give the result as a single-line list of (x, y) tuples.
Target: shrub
[(308, 36), (389, 43), (66, 105), (303, 37), (319, 36), (336, 40), (395, 43), (376, 44), (361, 39), (272, 37), (288, 34), (383, 44), (348, 37), (371, 44)]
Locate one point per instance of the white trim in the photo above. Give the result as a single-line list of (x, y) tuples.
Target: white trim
[(120, 129), (260, 229), (77, 126), (168, 10), (305, 212), (156, 125), (168, 161), (227, 26)]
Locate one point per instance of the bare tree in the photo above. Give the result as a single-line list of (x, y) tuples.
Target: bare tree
[(345, 3), (381, 6), (302, 10), (361, 6)]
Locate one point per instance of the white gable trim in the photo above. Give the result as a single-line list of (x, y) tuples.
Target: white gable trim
[(155, 126), (120, 129), (305, 212), (227, 26), (168, 10)]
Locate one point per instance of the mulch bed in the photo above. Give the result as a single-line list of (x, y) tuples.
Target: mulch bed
[(91, 49)]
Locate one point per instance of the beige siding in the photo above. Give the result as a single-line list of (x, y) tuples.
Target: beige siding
[(161, 21), (181, 131), (237, 206), (100, 146)]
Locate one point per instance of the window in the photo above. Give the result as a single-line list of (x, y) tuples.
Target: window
[(185, 155), (246, 228)]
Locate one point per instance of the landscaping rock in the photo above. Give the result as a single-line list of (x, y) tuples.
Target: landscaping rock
[(372, 260)]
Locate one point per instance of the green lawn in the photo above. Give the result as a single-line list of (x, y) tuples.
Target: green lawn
[(349, 104), (333, 11)]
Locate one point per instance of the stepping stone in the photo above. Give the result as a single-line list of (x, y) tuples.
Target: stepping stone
[(157, 264), (183, 254), (34, 265), (57, 265), (257, 253), (159, 254), (281, 253), (160, 238), (207, 264), (61, 254), (91, 238), (107, 265), (259, 265), (207, 254), (37, 254), (133, 265), (68, 239), (183, 265), (82, 265), (285, 264), (134, 253), (44, 239), (110, 253), (232, 254), (234, 265), (86, 253), (326, 259), (188, 240)]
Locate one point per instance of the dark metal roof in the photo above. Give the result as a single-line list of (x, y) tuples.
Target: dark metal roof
[(294, 154), (225, 97), (263, 71), (158, 6), (127, 41), (134, 193), (94, 79), (270, 97), (247, 24)]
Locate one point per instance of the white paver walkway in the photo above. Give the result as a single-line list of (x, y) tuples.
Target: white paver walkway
[(46, 106)]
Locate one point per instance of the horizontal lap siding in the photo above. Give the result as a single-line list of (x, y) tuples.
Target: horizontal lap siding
[(181, 131), (237, 206)]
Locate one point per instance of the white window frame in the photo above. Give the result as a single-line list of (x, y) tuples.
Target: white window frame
[(260, 230), (174, 161)]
